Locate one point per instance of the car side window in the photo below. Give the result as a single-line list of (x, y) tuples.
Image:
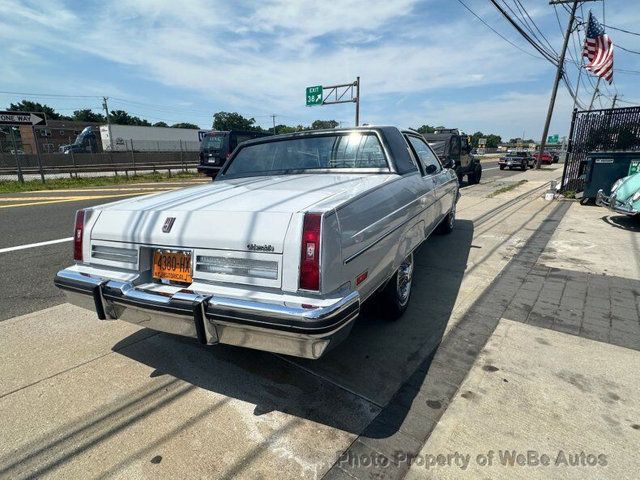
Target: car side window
[(465, 146), (429, 160)]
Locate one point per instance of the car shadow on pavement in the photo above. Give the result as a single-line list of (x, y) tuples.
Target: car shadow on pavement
[(348, 387), (624, 222)]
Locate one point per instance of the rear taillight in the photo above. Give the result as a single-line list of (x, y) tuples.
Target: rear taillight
[(78, 231), (310, 254)]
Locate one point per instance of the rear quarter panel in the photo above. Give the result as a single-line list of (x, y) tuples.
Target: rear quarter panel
[(376, 231)]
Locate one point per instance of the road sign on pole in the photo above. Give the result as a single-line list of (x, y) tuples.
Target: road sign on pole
[(345, 93), (314, 95), (22, 118)]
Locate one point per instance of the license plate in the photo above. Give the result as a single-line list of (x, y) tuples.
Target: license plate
[(171, 265)]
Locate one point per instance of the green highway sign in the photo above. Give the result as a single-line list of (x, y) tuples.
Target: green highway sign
[(553, 138), (634, 167), (314, 95)]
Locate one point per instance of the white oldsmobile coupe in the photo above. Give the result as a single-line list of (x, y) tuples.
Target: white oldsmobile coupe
[(277, 253)]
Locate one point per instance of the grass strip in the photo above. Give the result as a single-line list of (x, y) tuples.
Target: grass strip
[(9, 186), (507, 188)]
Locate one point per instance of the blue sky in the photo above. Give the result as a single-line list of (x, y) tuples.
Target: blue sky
[(427, 61)]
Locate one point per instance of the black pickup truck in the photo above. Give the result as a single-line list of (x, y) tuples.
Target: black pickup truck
[(454, 147)]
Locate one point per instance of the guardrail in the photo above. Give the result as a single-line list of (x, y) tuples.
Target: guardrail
[(17, 167)]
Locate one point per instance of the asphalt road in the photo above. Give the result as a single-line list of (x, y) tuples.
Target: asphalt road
[(27, 218)]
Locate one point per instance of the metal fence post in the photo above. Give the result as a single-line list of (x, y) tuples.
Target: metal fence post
[(569, 148), (33, 130), (115, 170), (182, 157), (15, 152), (133, 158), (73, 160)]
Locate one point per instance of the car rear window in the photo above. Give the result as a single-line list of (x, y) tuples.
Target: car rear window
[(213, 142), (336, 151)]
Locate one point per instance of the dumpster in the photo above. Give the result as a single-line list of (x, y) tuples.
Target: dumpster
[(600, 170)]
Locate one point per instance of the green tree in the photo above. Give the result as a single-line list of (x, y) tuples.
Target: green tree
[(324, 124), (87, 115), (29, 106), (233, 121), (475, 137), (425, 129), (120, 117), (285, 129), (493, 141), (160, 124), (185, 125)]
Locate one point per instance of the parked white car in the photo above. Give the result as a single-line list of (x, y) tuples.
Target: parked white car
[(277, 253)]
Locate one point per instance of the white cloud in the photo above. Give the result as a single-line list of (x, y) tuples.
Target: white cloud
[(509, 113), (248, 56)]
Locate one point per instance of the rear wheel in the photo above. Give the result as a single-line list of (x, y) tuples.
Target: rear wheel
[(447, 223), (397, 293), (523, 167), (501, 167), (478, 174)]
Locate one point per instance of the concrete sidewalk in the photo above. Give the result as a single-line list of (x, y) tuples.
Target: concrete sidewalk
[(557, 336), (83, 398)]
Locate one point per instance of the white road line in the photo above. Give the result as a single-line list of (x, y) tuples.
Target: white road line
[(34, 245), (492, 168)]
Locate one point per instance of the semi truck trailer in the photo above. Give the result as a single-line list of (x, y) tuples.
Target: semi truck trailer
[(118, 138)]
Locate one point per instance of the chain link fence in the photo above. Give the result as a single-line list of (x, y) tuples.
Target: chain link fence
[(604, 130)]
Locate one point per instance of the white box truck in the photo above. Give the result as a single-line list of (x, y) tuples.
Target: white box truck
[(149, 139)]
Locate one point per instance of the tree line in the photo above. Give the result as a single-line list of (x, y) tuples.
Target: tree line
[(221, 121), (118, 117)]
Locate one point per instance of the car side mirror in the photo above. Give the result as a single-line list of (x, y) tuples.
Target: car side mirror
[(431, 169)]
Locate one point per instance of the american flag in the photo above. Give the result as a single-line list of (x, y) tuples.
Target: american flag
[(598, 49)]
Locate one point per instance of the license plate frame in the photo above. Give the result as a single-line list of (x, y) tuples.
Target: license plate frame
[(166, 265)]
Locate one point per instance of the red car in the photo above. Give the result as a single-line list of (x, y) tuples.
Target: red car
[(546, 158)]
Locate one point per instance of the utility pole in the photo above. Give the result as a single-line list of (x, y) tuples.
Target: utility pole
[(556, 82), (357, 101), (273, 116), (615, 98), (106, 110)]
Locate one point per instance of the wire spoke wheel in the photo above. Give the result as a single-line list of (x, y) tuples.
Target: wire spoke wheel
[(404, 279)]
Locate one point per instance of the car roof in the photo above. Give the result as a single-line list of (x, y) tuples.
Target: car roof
[(324, 131), (244, 132)]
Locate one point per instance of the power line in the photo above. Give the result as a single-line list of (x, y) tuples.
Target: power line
[(524, 12), (630, 102), (626, 49), (574, 58), (622, 30), (524, 34), (498, 33), (630, 72)]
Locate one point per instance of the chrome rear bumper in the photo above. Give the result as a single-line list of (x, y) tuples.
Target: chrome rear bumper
[(612, 204), (296, 330)]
